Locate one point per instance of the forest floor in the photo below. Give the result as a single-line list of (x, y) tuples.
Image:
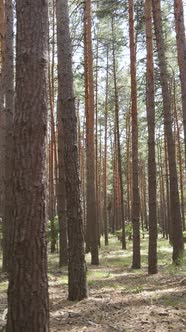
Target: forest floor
[(120, 299)]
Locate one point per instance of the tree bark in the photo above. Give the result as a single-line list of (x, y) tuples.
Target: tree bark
[(181, 50), (118, 145), (92, 225), (28, 305), (105, 155), (152, 253), (136, 264), (177, 235), (77, 285), (9, 111)]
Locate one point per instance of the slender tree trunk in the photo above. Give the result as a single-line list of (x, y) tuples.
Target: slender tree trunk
[(177, 235), (105, 155), (167, 181), (92, 225), (181, 49), (61, 192), (97, 175), (152, 253), (135, 200), (52, 136), (118, 141), (179, 154), (28, 305), (77, 285), (128, 171)]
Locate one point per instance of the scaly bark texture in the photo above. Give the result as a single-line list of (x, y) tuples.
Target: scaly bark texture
[(181, 49), (135, 186), (28, 305), (9, 110), (177, 237), (152, 254), (2, 115), (61, 197), (77, 284)]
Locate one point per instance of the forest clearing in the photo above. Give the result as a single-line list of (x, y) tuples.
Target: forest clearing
[(120, 299)]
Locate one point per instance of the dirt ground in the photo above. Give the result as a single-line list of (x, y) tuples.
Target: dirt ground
[(120, 299), (138, 303)]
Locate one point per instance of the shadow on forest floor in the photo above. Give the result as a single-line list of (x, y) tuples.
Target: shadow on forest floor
[(120, 299)]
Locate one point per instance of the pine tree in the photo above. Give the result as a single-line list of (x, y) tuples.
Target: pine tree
[(28, 305), (77, 285), (177, 236), (152, 254)]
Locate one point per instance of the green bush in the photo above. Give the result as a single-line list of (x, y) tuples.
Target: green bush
[(128, 232), (56, 229)]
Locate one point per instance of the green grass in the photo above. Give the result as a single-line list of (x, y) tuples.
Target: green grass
[(113, 262), (3, 286)]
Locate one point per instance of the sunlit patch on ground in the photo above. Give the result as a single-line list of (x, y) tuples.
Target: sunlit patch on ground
[(120, 299)]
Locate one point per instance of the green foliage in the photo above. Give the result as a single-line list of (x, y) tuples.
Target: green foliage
[(128, 232), (56, 229)]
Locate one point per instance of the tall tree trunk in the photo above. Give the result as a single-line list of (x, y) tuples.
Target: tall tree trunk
[(61, 192), (135, 196), (9, 109), (97, 175), (92, 225), (181, 49), (128, 171), (177, 235), (105, 154), (167, 182), (52, 146), (77, 286), (2, 124), (28, 284), (152, 253), (118, 140), (179, 156)]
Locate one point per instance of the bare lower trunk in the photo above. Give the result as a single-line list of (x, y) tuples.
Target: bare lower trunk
[(177, 236), (77, 286), (92, 225), (152, 254), (181, 49), (28, 285), (135, 200)]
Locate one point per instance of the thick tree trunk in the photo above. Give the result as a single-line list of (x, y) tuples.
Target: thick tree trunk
[(77, 285), (28, 305), (177, 235), (135, 188), (2, 114), (152, 254), (9, 110)]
